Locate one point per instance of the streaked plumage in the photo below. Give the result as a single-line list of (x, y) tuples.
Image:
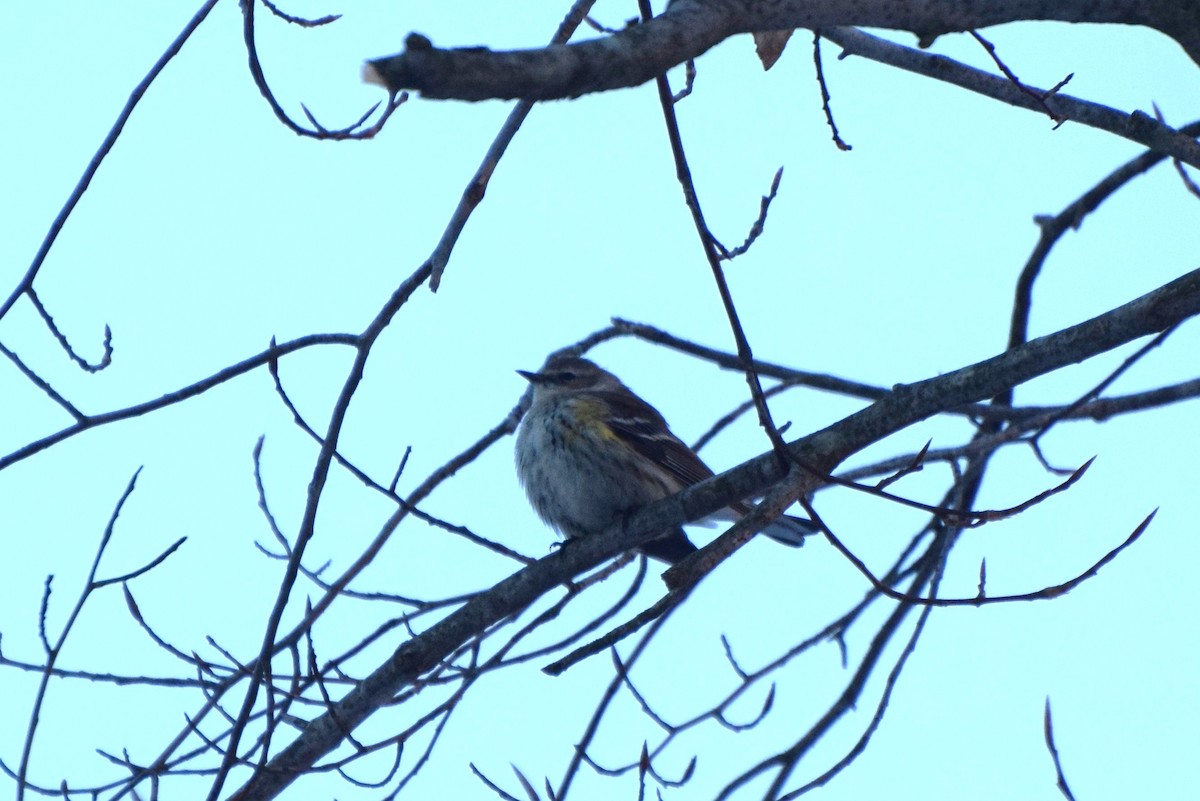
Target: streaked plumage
[(590, 451)]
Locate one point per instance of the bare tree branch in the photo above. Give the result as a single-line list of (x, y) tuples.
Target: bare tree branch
[(110, 139), (1136, 126), (688, 28), (905, 405)]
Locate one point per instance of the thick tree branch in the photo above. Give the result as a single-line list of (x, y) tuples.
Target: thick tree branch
[(905, 405), (688, 28)]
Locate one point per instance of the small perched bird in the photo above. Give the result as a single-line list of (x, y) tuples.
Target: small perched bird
[(590, 451)]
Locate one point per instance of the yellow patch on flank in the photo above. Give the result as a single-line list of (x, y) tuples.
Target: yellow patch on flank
[(593, 414)]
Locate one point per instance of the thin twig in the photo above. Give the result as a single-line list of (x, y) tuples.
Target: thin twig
[(1039, 97), (318, 131), (110, 139), (1048, 730), (1046, 593), (708, 245), (89, 587), (90, 422), (757, 228), (837, 137)]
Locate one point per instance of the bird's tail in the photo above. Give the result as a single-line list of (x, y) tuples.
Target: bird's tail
[(786, 529), (670, 548), (791, 530)]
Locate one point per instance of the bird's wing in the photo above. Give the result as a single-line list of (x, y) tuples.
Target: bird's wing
[(641, 427)]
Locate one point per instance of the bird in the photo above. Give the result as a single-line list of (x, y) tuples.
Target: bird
[(589, 452)]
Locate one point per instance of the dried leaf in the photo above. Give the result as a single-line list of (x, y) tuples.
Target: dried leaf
[(769, 46)]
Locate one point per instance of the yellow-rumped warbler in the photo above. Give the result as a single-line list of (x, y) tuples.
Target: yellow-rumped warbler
[(590, 451)]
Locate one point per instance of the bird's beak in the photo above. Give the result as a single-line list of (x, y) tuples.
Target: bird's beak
[(532, 378)]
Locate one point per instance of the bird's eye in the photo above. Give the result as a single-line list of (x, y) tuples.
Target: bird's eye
[(566, 376)]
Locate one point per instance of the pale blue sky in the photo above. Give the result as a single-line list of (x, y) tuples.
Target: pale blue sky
[(212, 228)]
